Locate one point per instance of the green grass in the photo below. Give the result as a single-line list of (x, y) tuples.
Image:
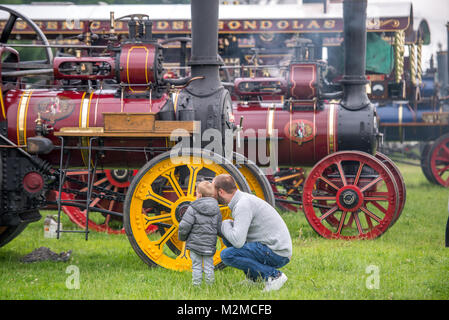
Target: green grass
[(411, 258)]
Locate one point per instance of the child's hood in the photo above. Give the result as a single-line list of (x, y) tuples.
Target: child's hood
[(207, 206)]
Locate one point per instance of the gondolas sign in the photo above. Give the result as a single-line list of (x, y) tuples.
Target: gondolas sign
[(300, 131)]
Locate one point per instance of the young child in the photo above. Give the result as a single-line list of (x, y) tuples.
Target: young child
[(199, 227)]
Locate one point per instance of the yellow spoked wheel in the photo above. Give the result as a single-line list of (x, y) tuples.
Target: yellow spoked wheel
[(160, 194), (257, 182), (256, 179)]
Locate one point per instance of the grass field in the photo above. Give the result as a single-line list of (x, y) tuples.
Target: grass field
[(410, 261)]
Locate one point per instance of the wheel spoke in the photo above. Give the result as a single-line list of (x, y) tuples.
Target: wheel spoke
[(369, 222), (183, 254), (378, 206), (350, 221), (194, 169), (328, 213), (159, 199), (442, 159), (156, 219), (174, 183), (445, 148), (357, 222), (378, 198), (342, 173), (97, 184), (111, 205), (329, 182), (370, 214), (442, 170), (359, 172), (167, 235), (372, 183), (82, 173), (94, 202), (334, 198), (342, 222), (106, 221)]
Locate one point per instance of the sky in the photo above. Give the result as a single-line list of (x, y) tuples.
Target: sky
[(436, 12)]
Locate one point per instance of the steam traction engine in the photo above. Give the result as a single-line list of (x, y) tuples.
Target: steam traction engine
[(346, 194), (412, 106), (116, 111)]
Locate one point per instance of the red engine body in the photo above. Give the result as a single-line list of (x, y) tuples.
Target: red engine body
[(303, 137), (60, 109), (303, 80)]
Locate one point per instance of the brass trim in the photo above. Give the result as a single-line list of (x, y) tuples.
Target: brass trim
[(22, 111), (331, 130)]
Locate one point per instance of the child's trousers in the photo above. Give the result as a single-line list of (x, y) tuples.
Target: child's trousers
[(199, 264)]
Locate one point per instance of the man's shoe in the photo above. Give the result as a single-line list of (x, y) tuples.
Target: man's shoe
[(275, 283)]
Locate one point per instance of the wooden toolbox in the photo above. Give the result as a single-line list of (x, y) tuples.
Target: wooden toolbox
[(126, 124)]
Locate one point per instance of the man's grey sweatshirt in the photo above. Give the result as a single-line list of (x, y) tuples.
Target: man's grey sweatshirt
[(255, 220)]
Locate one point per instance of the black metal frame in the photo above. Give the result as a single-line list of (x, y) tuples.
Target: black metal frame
[(90, 181), (92, 168)]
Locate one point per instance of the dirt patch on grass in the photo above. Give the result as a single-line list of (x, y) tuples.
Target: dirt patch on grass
[(45, 254)]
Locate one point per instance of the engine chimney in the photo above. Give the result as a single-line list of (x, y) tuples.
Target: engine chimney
[(354, 80), (443, 71), (357, 121), (206, 99), (204, 59)]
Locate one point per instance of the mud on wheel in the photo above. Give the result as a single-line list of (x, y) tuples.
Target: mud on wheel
[(351, 195), (160, 194)]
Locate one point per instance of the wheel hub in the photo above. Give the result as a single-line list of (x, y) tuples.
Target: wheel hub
[(349, 198), (33, 183), (119, 177), (181, 210), (120, 174)]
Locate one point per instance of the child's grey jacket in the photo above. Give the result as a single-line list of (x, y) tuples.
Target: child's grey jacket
[(200, 226)]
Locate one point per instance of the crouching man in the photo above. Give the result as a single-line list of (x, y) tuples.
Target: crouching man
[(258, 240)]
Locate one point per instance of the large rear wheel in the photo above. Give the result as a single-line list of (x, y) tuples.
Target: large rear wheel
[(350, 195), (160, 194)]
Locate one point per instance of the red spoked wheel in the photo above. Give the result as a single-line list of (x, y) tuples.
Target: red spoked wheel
[(109, 191), (439, 161), (399, 181), (350, 195)]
